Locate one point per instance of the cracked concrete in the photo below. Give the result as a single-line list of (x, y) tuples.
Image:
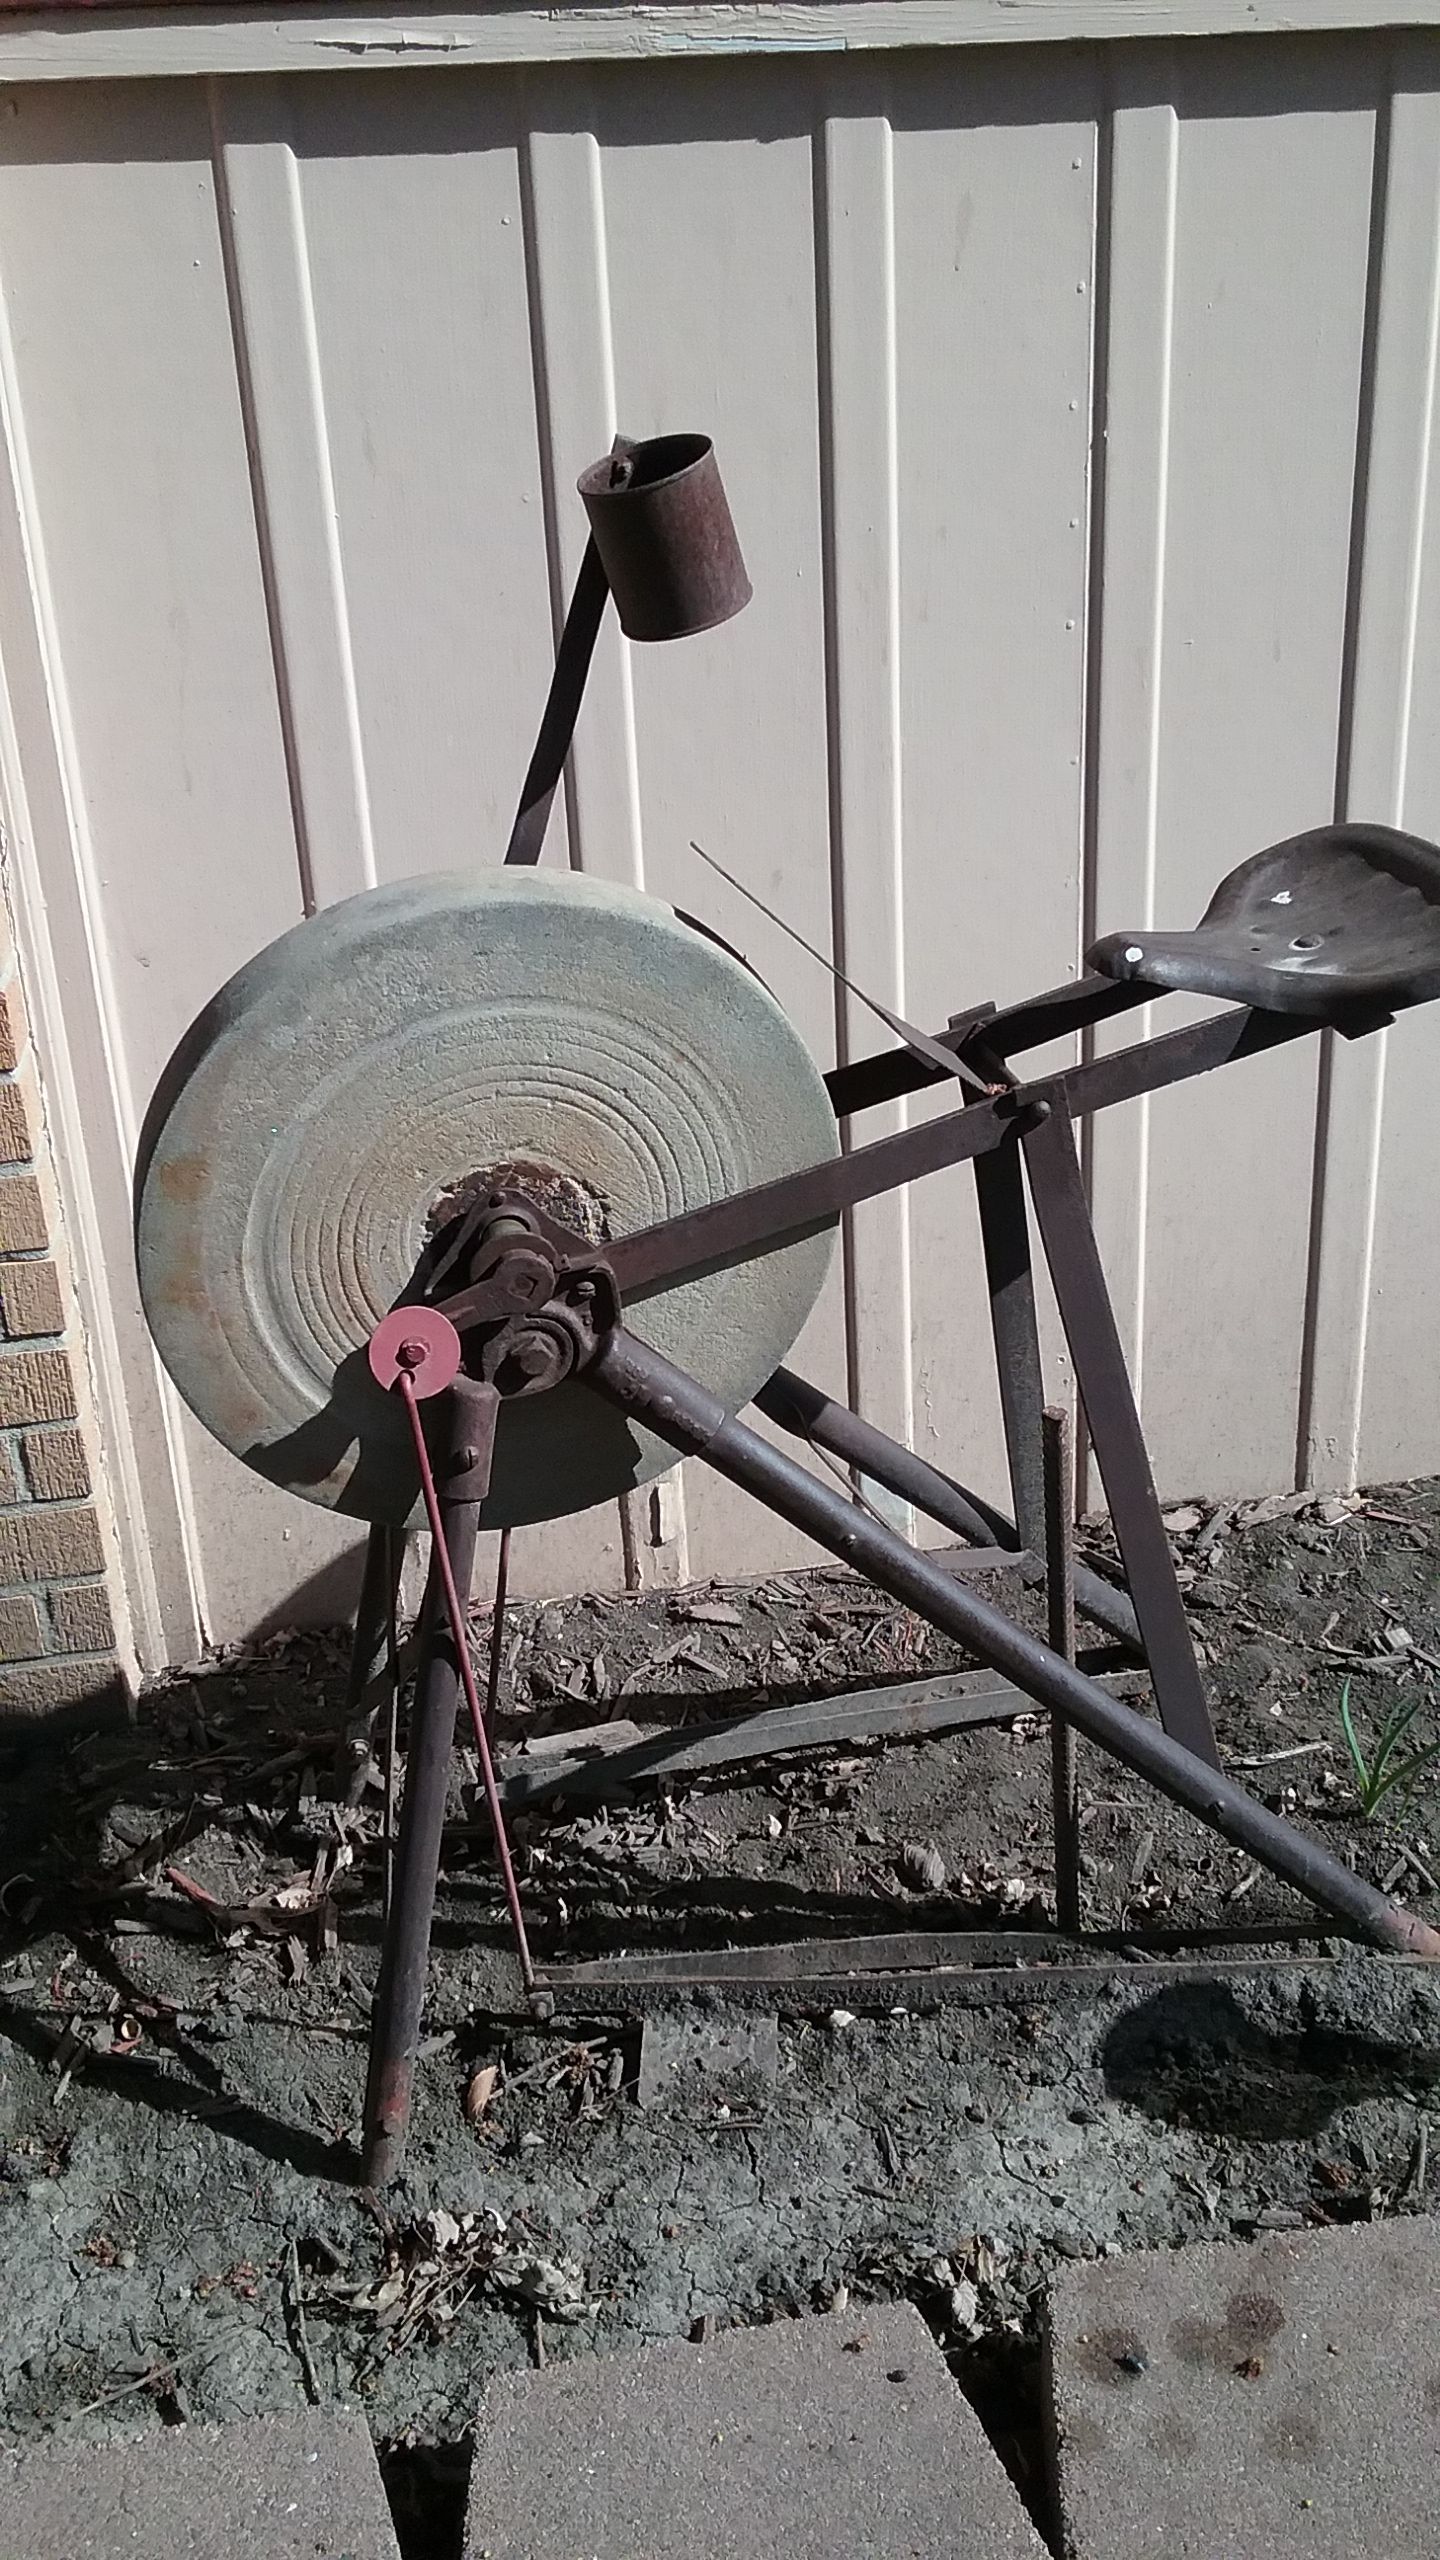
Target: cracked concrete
[(899, 2155)]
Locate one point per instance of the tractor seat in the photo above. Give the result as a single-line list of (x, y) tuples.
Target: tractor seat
[(1342, 917)]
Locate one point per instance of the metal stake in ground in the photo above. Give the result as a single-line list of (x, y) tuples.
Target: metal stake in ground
[(1060, 1628)]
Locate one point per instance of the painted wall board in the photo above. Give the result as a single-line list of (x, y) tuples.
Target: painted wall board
[(1077, 410)]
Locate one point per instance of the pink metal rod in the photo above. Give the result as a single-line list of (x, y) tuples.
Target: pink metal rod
[(453, 1610)]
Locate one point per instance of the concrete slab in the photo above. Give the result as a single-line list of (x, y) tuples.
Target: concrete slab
[(807, 2440), (301, 2488), (1281, 2398), (683, 2054)]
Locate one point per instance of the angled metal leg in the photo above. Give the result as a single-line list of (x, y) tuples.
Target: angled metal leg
[(652, 1390), (1010, 1279), (1063, 1212)]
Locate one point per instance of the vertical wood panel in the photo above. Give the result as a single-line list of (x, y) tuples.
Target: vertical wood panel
[(1397, 688), (574, 375), (709, 218), (855, 252), (1127, 625), (259, 677), (124, 378), (1270, 261), (1392, 506), (277, 358), (416, 251), (994, 200)]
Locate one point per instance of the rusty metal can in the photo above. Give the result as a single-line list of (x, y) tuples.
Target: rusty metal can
[(664, 532)]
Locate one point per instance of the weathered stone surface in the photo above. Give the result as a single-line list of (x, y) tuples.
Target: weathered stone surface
[(807, 2440), (1272, 2400), (301, 2488)]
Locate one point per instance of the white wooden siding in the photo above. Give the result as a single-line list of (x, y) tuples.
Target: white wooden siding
[(1076, 406)]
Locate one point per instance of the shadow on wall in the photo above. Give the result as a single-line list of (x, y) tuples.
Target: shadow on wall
[(1192, 2057), (329, 1598)]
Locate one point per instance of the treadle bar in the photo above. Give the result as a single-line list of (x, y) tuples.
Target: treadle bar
[(651, 1390)]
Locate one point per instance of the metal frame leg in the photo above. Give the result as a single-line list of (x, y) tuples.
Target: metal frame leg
[(370, 1659), (405, 1952), (651, 1390), (1063, 1214), (405, 1955), (1010, 1279)]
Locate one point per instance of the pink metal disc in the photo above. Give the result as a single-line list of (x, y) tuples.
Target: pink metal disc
[(420, 1341)]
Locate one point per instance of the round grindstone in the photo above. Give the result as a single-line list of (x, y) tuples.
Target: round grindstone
[(338, 1095)]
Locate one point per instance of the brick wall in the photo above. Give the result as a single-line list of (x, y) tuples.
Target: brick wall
[(58, 1651)]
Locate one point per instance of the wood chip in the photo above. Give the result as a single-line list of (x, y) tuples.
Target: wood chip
[(479, 2090)]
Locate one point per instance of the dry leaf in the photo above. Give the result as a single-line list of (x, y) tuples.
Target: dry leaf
[(479, 2092)]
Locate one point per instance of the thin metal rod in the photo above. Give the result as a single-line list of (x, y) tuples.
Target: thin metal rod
[(1062, 1210), (652, 1390), (1060, 1629), (810, 1415), (942, 1057), (456, 1616), (1010, 1282), (497, 1633), (445, 1672)]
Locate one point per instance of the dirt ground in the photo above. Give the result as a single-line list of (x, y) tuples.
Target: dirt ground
[(190, 1940)]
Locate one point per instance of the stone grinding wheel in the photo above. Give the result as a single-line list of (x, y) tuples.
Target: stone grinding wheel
[(353, 1074)]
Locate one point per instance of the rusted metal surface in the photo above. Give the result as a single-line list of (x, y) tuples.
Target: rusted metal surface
[(1010, 1286), (924, 1970), (661, 522), (1343, 919), (446, 1674), (369, 1676), (445, 1023)]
